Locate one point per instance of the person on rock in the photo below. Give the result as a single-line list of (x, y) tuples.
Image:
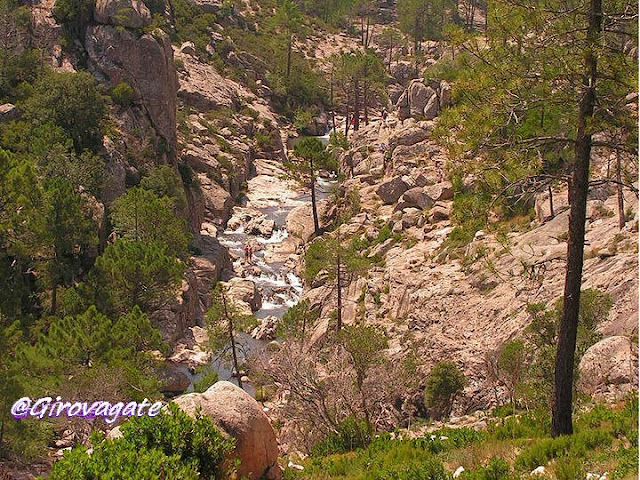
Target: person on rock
[(387, 161), (247, 253)]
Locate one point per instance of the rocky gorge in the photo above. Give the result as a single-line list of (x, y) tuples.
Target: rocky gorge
[(229, 143), (420, 288)]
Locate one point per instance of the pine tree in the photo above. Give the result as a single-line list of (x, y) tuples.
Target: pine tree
[(549, 87)]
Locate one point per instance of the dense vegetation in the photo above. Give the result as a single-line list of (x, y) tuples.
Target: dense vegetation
[(74, 305), (172, 446), (606, 440)]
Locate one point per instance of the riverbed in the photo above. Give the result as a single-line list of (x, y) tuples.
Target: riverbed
[(272, 196)]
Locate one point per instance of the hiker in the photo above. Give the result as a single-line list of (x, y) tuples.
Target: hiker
[(387, 161), (247, 253), (384, 114)]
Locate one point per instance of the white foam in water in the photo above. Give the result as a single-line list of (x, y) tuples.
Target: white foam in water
[(237, 231), (276, 237), (294, 281), (271, 306), (266, 280)]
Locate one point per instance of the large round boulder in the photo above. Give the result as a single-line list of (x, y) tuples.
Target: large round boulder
[(609, 368), (238, 415)]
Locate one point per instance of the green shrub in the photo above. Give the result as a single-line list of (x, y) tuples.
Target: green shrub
[(447, 439), (118, 459), (429, 469), (531, 425), (569, 469), (123, 94), (171, 445), (165, 181), (444, 382), (496, 469), (351, 433), (208, 378), (577, 445), (74, 16), (71, 101), (264, 141)]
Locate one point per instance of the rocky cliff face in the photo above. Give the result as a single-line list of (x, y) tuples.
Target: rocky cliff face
[(146, 64), (464, 308)]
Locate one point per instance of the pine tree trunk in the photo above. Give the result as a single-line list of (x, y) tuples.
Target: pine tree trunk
[(356, 106), (339, 282), (233, 341), (289, 47), (621, 219), (314, 208), (365, 101), (54, 298), (333, 109), (551, 212), (561, 423)]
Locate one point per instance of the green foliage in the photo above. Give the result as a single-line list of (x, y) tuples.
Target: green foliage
[(165, 181), (71, 101), (123, 94), (422, 19), (296, 319), (382, 459), (312, 151), (171, 445), (208, 377), (515, 101), (598, 445), (70, 232), (496, 469), (92, 340), (569, 469), (359, 71), (446, 439), (350, 434), (444, 382), (74, 16), (470, 214), (118, 459), (511, 365), (544, 450), (131, 273), (52, 151), (190, 23), (535, 424), (365, 345), (325, 254), (142, 216), (20, 62), (542, 335), (223, 322), (264, 141)]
